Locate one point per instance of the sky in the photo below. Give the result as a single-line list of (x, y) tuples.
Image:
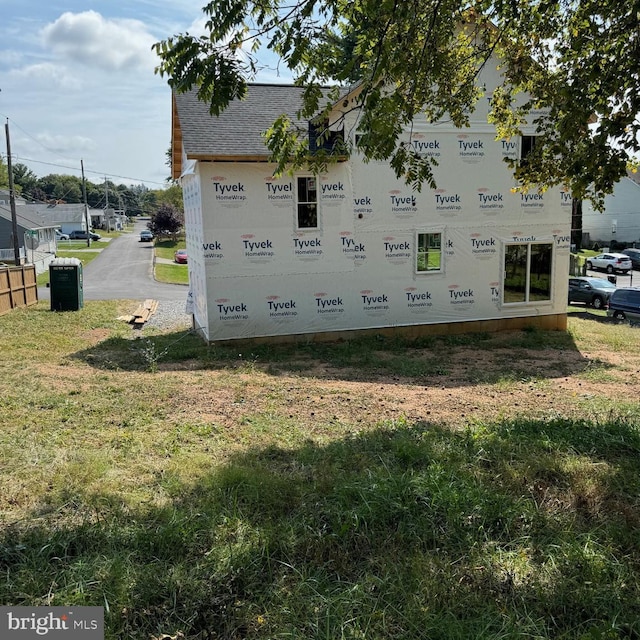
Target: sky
[(77, 86)]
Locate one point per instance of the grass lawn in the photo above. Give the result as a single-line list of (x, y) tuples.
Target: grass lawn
[(172, 273), (166, 248), (481, 486), (82, 253)]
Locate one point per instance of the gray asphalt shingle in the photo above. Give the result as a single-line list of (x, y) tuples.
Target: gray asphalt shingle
[(238, 130)]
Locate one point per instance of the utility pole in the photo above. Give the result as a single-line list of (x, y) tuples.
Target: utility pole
[(86, 206), (12, 200)]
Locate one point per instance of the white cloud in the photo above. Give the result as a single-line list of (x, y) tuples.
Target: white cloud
[(65, 145), (110, 44), (48, 76)]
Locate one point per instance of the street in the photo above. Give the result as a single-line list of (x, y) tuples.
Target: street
[(124, 270)]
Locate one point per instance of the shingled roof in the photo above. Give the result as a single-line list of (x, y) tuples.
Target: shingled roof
[(235, 135)]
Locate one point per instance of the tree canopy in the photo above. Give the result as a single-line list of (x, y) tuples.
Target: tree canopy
[(4, 175), (166, 221), (135, 200), (575, 61)]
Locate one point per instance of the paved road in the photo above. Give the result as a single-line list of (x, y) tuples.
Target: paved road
[(632, 279), (124, 270)]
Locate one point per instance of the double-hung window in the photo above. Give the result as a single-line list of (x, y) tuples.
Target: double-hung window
[(307, 202), (428, 252), (527, 272)]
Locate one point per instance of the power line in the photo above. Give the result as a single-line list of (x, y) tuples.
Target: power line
[(102, 174), (72, 168)]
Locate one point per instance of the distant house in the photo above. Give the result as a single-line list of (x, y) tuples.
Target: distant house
[(5, 198), (620, 220), (36, 237), (68, 217), (355, 249)]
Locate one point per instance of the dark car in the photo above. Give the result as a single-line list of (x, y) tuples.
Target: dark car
[(146, 236), (83, 235), (634, 255), (624, 304), (592, 291)]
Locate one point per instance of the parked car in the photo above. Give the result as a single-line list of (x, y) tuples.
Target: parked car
[(180, 256), (624, 304), (83, 235), (146, 236), (592, 291), (634, 255), (610, 262), (61, 236)]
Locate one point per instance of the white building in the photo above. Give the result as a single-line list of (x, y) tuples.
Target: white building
[(620, 220), (355, 249)]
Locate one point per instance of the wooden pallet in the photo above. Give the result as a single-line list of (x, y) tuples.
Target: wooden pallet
[(141, 314)]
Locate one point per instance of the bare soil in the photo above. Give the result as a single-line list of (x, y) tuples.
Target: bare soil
[(473, 386)]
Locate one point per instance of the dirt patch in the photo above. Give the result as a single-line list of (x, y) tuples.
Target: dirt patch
[(473, 386)]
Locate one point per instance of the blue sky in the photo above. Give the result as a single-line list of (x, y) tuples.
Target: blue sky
[(77, 83)]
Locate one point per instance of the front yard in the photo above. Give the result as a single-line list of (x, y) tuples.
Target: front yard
[(481, 486)]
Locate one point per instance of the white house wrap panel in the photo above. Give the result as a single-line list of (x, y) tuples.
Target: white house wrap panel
[(356, 248)]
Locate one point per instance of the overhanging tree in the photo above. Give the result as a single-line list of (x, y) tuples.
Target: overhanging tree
[(166, 221), (4, 174), (576, 59)]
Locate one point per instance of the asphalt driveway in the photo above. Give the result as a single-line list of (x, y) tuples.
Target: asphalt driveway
[(124, 270)]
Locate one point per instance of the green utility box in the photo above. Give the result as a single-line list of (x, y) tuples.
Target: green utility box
[(65, 283)]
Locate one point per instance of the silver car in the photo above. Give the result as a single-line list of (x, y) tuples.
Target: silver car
[(610, 262)]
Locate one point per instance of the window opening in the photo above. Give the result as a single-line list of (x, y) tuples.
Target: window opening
[(429, 252), (307, 202), (527, 272)]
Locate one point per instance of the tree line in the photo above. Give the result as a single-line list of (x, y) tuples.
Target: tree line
[(135, 200)]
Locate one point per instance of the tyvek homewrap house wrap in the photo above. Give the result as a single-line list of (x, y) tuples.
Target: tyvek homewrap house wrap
[(355, 248)]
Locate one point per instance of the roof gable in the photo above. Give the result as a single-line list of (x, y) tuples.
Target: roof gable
[(235, 135)]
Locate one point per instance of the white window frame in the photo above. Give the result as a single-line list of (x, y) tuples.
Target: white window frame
[(298, 202), (527, 301), (417, 252)]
